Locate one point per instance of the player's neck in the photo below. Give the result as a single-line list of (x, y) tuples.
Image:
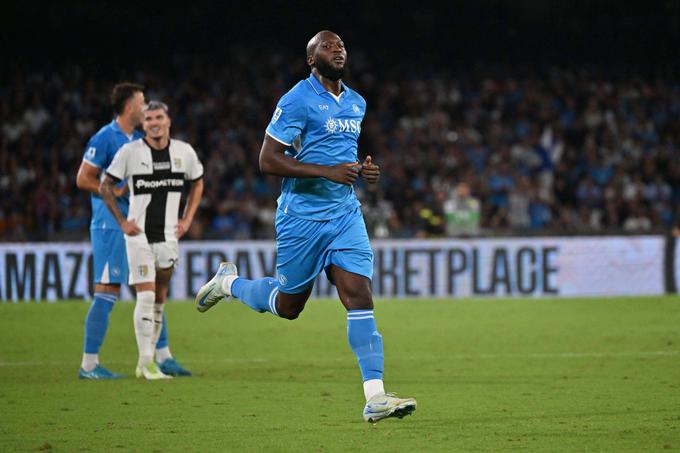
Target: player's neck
[(332, 86), (158, 144), (125, 124)]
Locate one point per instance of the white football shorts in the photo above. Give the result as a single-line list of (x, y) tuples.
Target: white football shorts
[(144, 258)]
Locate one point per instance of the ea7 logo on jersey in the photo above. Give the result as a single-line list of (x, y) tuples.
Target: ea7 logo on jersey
[(277, 114), (323, 107), (333, 125)]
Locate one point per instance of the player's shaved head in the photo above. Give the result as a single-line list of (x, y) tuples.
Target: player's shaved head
[(326, 55), (318, 38)]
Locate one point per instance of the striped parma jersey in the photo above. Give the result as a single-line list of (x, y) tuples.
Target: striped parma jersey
[(156, 179)]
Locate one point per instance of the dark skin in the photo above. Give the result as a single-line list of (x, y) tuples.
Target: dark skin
[(354, 290)]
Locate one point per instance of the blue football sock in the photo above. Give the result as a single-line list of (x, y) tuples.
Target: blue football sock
[(260, 295), (366, 343), (163, 339), (97, 321)]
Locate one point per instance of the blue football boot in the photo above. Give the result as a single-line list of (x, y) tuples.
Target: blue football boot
[(98, 372), (173, 368)]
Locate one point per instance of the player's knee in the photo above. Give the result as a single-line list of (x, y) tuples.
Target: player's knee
[(109, 288), (359, 303), (358, 299), (289, 313), (289, 316)]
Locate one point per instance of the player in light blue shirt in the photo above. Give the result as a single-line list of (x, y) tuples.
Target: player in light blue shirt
[(311, 141), (108, 243)]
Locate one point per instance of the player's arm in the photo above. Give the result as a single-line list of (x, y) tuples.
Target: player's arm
[(88, 174), (106, 191), (88, 177), (273, 161), (193, 200)]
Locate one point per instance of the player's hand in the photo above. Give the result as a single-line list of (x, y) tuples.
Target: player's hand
[(130, 228), (182, 227), (120, 191), (370, 171), (343, 173)]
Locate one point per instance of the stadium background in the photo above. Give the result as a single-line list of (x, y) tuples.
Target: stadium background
[(562, 118), (457, 92)]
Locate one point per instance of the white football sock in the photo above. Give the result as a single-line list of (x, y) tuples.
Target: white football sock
[(162, 354), (90, 361), (144, 325), (373, 387), (226, 284), (157, 322)]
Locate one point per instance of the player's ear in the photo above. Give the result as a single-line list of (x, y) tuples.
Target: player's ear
[(310, 60)]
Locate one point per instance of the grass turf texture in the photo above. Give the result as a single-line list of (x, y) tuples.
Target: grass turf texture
[(489, 375)]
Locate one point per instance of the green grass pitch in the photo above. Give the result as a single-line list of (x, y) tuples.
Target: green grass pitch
[(489, 375)]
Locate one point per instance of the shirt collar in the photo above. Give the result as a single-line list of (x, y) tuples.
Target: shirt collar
[(319, 89)]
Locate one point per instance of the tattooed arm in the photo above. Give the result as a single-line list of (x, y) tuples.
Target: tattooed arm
[(107, 192)]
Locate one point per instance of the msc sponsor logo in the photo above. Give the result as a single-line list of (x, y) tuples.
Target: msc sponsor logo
[(333, 125)]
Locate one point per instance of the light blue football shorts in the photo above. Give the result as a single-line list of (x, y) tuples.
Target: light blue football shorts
[(108, 256), (305, 247)]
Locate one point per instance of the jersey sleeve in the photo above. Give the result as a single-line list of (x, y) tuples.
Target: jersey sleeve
[(97, 151), (289, 119), (119, 166), (195, 170)]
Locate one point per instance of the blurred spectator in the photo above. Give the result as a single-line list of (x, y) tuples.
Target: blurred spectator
[(540, 149), (637, 220), (519, 205), (462, 212)]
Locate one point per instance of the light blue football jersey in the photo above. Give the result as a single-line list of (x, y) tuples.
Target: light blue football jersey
[(318, 128), (100, 151)]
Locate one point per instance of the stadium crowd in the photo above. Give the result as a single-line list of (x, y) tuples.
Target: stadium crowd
[(559, 150)]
